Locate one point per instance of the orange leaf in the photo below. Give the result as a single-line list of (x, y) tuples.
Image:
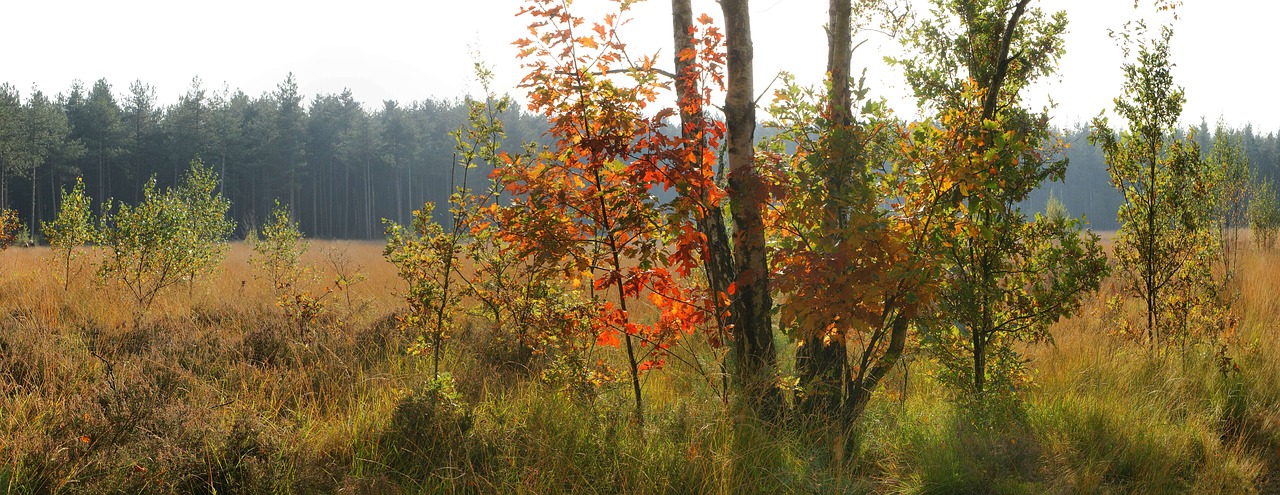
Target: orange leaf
[(608, 338)]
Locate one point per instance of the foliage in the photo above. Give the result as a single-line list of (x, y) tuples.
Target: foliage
[(1227, 168), (583, 208), (424, 256), (278, 257), (170, 237), (9, 226), (1264, 213), (1006, 279), (1165, 246), (72, 228)]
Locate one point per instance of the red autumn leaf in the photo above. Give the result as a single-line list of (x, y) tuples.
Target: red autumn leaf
[(608, 338)]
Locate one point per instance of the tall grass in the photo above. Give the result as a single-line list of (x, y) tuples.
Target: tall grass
[(213, 393)]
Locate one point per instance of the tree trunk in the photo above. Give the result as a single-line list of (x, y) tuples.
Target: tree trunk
[(34, 226), (822, 365), (839, 60), (979, 362), (866, 383), (752, 325), (719, 263)]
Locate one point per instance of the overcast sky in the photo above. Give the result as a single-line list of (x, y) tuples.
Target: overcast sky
[(386, 49)]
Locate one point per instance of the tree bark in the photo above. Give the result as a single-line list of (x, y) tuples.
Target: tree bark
[(1002, 63), (840, 60), (865, 385), (822, 365), (752, 323), (719, 263)]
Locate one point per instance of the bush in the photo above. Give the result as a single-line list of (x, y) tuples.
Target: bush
[(168, 238), (428, 431), (72, 228)]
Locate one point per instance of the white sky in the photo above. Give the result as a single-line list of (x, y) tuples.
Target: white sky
[(389, 49)]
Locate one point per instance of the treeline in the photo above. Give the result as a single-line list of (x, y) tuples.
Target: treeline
[(1087, 190), (343, 166)]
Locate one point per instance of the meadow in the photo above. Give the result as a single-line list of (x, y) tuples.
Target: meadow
[(215, 391)]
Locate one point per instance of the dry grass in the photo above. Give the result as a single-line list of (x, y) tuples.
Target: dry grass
[(215, 392)]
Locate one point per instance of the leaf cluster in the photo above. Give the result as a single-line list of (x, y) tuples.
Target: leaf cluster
[(1165, 247), (172, 236), (9, 227), (72, 228)]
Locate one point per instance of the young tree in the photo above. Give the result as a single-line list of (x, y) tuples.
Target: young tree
[(1006, 278), (278, 256), (829, 199), (699, 71), (9, 227), (72, 228), (424, 257), (751, 312), (1264, 214), (585, 204), (278, 248), (170, 237), (1164, 246), (1228, 169)]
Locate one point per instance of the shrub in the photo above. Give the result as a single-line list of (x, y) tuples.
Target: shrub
[(9, 227), (168, 238), (278, 257), (1264, 214), (429, 429), (72, 228)]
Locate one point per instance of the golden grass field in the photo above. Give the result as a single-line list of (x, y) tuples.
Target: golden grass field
[(214, 392)]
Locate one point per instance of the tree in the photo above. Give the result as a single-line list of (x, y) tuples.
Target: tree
[(699, 67), (46, 140), (1228, 169), (286, 145), (95, 122), (1264, 213), (425, 257), (1006, 279), (170, 237), (190, 134), (750, 313), (358, 147), (1164, 246), (278, 257), (398, 137), (72, 228), (584, 204), (832, 177), (12, 145), (145, 139), (278, 248)]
